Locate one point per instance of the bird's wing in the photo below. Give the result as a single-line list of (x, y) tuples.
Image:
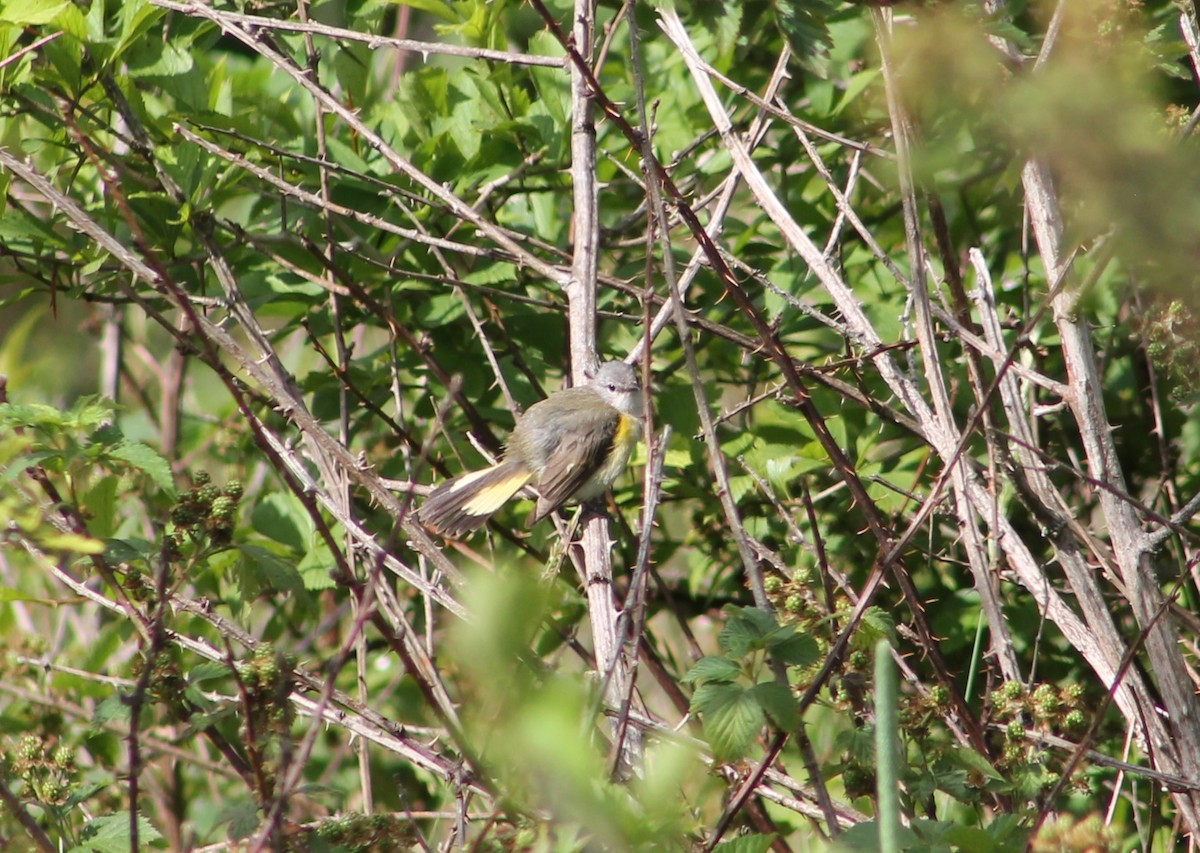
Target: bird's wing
[(573, 461)]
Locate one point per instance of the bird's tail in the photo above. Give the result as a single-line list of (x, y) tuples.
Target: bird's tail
[(466, 502)]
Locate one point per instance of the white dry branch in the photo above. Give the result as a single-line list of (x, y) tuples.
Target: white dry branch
[(1174, 742), (593, 557), (1095, 635), (257, 368)]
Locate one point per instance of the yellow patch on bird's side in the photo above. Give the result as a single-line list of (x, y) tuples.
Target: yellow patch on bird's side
[(629, 432), (492, 497), (624, 440)]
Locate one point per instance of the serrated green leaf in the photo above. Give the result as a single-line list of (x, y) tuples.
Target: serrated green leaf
[(731, 716), (746, 630), (83, 793), (207, 671), (971, 760), (315, 567), (110, 834), (71, 21), (434, 7), (165, 60), (282, 518), (439, 310), (29, 415), (271, 570), (109, 709), (499, 272), (31, 13), (23, 463), (802, 23), (108, 434), (793, 649), (553, 84), (146, 460), (877, 624), (242, 819), (130, 550), (747, 844), (712, 669), (722, 18), (778, 703)]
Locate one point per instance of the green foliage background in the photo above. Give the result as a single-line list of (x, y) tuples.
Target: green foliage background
[(256, 256)]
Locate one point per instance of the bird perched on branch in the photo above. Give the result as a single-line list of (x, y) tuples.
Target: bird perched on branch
[(570, 446)]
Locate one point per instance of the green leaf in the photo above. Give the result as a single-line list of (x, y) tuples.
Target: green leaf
[(272, 571), (731, 716), (109, 709), (802, 23), (747, 844), (434, 7), (100, 502), (972, 761), (110, 834), (315, 566), (864, 838), (241, 817), (31, 12), (18, 466), (722, 18), (792, 648), (146, 460), (8, 593), (207, 671), (499, 272), (973, 838), (130, 550), (713, 669), (165, 60), (439, 310), (553, 84), (778, 703), (75, 542), (282, 518), (877, 624), (746, 630)]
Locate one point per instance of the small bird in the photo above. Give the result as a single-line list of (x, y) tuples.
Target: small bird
[(571, 446)]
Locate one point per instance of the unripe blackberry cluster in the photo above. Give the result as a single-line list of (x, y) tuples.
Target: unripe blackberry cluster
[(1045, 708), (206, 511), (268, 677), (48, 771)]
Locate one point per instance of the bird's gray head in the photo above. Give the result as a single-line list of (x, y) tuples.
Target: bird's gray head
[(618, 385)]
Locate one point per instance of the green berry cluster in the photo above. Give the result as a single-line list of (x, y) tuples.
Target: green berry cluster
[(795, 601), (1088, 835), (918, 711), (1171, 333), (204, 512), (48, 771), (166, 684), (1056, 710), (797, 604), (1048, 706), (378, 832), (268, 678)]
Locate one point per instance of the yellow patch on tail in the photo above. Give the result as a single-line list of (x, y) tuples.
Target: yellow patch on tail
[(494, 495)]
